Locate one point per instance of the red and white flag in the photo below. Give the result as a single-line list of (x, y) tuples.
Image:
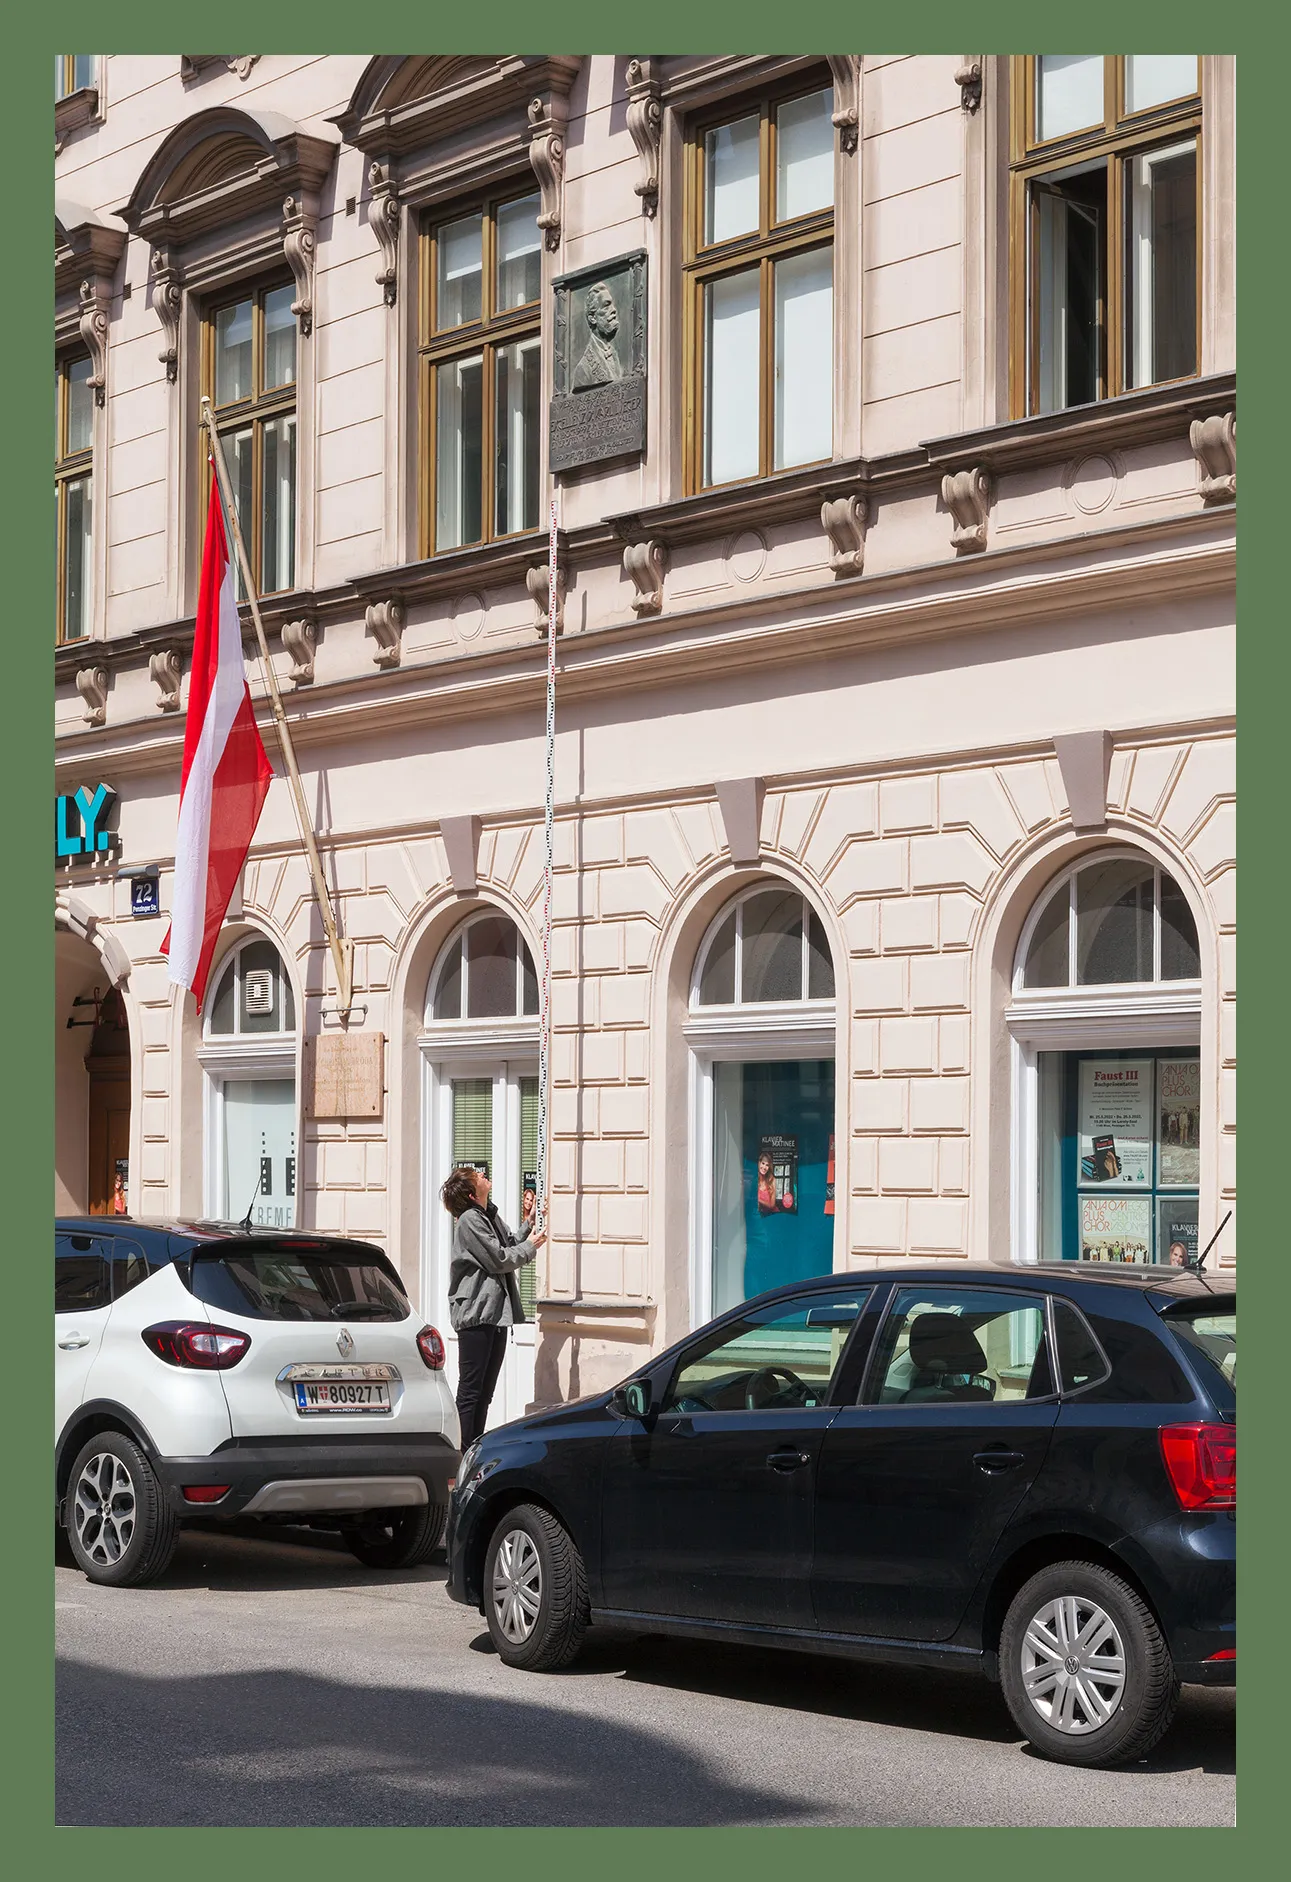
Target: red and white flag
[(226, 771)]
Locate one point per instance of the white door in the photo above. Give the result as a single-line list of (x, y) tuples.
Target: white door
[(485, 1114)]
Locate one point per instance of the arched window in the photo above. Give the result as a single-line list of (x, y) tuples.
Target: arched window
[(1105, 1018), (249, 1056), (761, 1030), (485, 972)]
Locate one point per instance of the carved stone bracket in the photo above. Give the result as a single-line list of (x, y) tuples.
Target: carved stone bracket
[(300, 224), (299, 638), (547, 120), (644, 564), (645, 122), (168, 305), (536, 581), (967, 495), (92, 685), (193, 64), (969, 80), (164, 671), (1214, 445), (384, 211), (94, 333), (385, 621), (843, 520), (846, 70)]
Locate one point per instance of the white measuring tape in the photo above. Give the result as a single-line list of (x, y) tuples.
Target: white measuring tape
[(549, 825)]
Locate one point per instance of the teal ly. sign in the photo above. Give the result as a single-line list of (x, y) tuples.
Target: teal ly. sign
[(80, 822)]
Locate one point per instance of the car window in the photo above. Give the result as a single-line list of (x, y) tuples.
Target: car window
[(960, 1346), (1081, 1360), (1209, 1334), (290, 1284), (1144, 1371), (779, 1358), (80, 1274), (130, 1265)]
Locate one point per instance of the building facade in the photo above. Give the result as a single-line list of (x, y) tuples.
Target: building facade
[(888, 406)]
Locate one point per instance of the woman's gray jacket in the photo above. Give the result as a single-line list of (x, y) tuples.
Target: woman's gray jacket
[(482, 1288)]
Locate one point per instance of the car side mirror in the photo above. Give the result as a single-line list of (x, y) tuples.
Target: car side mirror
[(632, 1400)]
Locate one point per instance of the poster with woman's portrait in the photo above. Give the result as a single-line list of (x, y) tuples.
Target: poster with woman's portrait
[(1178, 1121), (777, 1175), (1116, 1133)]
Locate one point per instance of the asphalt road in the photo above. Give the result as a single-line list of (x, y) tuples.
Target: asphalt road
[(276, 1683)]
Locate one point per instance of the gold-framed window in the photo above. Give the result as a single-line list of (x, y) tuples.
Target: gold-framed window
[(480, 370), (74, 71), (759, 285), (249, 368), (73, 493), (1105, 232)]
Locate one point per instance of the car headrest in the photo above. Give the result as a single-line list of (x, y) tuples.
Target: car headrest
[(940, 1342)]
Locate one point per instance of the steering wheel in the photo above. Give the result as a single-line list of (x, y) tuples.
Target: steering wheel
[(761, 1387)]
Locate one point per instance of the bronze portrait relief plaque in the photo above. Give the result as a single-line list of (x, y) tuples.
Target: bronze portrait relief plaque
[(598, 407)]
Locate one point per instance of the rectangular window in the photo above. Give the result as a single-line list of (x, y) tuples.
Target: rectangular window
[(760, 286), (1106, 212), (481, 366), (249, 374), (73, 71), (73, 502)]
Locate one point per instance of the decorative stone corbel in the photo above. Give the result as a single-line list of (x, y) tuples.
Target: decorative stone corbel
[(645, 122), (843, 520), (967, 495), (384, 211), (846, 70), (969, 80), (547, 120), (385, 621), (299, 229), (168, 305), (94, 333), (1214, 445), (164, 671), (644, 564), (92, 685), (536, 581), (192, 64), (299, 637)]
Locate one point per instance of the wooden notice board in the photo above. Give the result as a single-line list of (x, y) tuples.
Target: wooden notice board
[(344, 1074)]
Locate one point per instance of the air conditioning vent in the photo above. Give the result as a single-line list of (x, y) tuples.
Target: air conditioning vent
[(258, 992)]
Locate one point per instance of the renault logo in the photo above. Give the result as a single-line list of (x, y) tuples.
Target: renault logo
[(344, 1343)]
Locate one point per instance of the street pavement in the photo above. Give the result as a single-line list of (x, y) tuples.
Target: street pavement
[(278, 1683)]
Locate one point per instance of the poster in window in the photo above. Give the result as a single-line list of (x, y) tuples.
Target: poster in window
[(1116, 1130), (121, 1186), (777, 1175), (829, 1179), (528, 1194), (1115, 1228), (1178, 1121), (1177, 1239)]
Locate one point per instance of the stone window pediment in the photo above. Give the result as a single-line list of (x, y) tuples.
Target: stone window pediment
[(87, 253), (403, 103)]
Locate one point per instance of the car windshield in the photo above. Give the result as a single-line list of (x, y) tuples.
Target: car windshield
[(297, 1284), (1209, 1333)]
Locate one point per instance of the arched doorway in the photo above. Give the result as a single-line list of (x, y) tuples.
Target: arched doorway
[(92, 1083)]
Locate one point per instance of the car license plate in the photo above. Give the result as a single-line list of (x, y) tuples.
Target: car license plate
[(341, 1395)]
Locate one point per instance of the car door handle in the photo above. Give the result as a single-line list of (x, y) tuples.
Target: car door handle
[(74, 1340), (996, 1460), (788, 1460)]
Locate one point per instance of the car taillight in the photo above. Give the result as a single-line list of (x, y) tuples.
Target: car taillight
[(1201, 1463), (208, 1348), (205, 1492), (431, 1348)]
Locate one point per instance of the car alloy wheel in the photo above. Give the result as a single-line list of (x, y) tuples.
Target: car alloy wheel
[(1073, 1665), (517, 1586), (104, 1509)]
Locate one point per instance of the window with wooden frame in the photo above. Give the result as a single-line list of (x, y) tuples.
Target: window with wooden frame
[(249, 375), (481, 365), (1106, 214), (73, 474), (73, 72), (759, 267)]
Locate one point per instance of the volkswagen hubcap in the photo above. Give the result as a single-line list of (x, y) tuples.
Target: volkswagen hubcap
[(103, 1509), (517, 1586), (1073, 1665)]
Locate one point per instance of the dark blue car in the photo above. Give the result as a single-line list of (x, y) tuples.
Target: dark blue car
[(1025, 1472)]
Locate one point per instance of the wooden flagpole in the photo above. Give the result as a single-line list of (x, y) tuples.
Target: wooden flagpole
[(342, 950)]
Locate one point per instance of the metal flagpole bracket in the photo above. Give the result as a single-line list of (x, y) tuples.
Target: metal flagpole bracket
[(342, 950)]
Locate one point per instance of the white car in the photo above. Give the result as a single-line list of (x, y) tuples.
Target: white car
[(217, 1371)]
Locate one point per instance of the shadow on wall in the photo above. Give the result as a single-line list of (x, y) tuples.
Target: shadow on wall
[(548, 1388), (276, 1748)]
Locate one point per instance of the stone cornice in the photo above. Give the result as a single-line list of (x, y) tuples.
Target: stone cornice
[(84, 245), (469, 93)]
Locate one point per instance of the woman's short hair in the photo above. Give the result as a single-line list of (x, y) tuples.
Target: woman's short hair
[(458, 1191)]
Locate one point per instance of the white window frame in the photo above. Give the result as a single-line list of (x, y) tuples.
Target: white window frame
[(1146, 1014), (227, 1058), (470, 1027)]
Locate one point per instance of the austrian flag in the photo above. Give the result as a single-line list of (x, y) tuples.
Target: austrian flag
[(226, 771)]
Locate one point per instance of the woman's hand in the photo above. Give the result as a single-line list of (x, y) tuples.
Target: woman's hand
[(537, 1239)]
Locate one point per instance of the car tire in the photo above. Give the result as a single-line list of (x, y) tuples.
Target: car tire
[(1085, 1668), (121, 1529), (535, 1591), (403, 1538)]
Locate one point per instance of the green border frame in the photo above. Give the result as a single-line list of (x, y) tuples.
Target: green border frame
[(1265, 667)]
